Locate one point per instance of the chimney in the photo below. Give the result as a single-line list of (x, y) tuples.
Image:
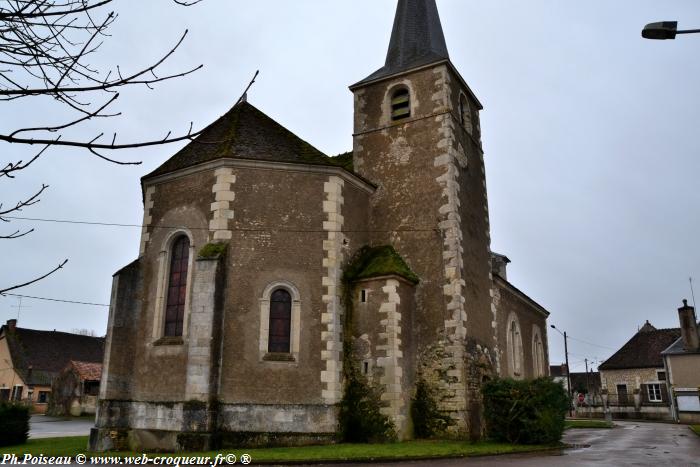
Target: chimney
[(11, 324), (499, 264), (689, 327)]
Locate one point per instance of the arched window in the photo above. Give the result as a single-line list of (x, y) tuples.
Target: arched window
[(280, 322), (177, 287), (537, 353), (515, 348), (400, 104), (465, 114)]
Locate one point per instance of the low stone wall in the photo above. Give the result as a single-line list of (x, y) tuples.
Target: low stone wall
[(626, 413), (165, 426)]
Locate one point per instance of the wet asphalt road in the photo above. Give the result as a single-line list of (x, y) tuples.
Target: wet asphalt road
[(41, 426), (628, 444)]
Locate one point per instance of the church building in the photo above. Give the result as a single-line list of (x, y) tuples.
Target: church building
[(267, 269)]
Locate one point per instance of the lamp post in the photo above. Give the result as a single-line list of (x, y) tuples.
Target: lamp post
[(568, 370), (664, 30)]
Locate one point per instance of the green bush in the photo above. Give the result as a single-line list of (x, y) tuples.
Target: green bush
[(14, 424), (361, 420), (525, 412), (428, 421)]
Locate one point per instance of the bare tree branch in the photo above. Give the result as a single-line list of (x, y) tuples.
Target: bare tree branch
[(22, 204), (45, 48), (16, 234), (15, 287)]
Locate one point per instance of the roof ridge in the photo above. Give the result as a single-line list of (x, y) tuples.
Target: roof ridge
[(246, 132)]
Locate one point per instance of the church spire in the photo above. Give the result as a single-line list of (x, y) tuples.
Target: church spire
[(417, 34), (416, 40)]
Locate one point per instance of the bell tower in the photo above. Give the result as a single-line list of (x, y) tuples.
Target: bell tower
[(417, 137)]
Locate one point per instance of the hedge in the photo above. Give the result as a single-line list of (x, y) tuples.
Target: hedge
[(14, 424), (525, 412)]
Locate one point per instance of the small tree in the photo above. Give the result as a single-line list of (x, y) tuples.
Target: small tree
[(14, 424), (427, 419), (527, 412), (361, 419)]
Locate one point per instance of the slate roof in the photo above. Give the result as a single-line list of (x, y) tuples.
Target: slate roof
[(87, 371), (416, 40), (244, 132), (38, 356), (677, 348), (643, 350)]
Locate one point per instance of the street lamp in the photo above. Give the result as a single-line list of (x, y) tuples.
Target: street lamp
[(568, 370), (664, 30)]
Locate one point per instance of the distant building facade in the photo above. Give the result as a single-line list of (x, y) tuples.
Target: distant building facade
[(31, 359), (682, 365), (267, 268), (634, 378), (75, 389)]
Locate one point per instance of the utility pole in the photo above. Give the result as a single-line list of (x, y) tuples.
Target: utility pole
[(568, 374), (588, 384), (568, 370)]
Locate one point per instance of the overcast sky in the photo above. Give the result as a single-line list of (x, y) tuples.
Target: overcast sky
[(591, 136)]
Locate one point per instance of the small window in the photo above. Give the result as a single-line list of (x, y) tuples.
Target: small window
[(92, 388), (17, 393), (400, 105), (177, 287), (363, 296), (365, 367), (661, 375), (280, 321), (43, 397), (654, 392)]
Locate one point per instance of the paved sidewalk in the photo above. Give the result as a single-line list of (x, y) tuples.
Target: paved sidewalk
[(42, 426), (629, 443)]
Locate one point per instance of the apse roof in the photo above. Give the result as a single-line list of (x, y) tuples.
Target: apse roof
[(244, 132)]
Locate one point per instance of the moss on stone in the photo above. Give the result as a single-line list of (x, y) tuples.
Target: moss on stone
[(212, 250), (344, 160), (378, 261)]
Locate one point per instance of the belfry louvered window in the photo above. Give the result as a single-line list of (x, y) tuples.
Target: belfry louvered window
[(280, 321), (177, 287), (400, 104)]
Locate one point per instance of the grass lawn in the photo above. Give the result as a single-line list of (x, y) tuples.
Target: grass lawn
[(588, 424), (340, 452), (696, 429), (50, 446)]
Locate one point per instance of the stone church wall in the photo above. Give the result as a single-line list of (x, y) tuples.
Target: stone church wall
[(528, 317)]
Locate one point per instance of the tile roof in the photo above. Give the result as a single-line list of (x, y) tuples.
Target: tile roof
[(643, 350), (38, 356), (87, 371), (244, 132), (677, 348), (416, 40)]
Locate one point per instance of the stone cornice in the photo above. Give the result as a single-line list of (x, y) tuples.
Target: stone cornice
[(349, 177)]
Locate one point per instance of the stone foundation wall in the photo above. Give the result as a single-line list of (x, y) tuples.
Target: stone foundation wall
[(156, 426)]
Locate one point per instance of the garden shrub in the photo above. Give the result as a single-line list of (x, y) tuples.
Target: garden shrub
[(428, 421), (14, 424), (525, 412), (361, 420)]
